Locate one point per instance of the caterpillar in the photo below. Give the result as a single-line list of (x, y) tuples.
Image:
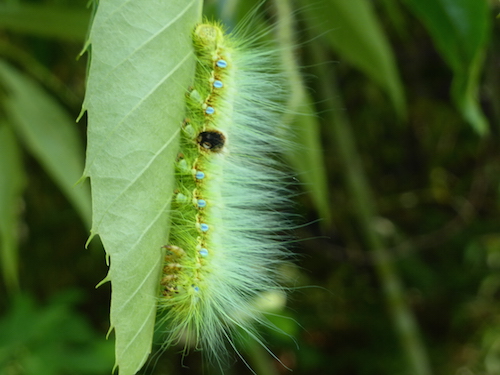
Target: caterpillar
[(230, 205)]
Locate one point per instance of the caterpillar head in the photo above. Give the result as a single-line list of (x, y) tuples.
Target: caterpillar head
[(207, 37)]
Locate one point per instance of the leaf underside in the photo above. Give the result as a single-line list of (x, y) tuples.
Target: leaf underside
[(141, 66)]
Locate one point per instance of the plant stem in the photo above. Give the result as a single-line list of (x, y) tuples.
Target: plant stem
[(365, 212)]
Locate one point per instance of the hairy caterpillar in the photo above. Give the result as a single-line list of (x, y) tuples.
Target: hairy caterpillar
[(226, 241)]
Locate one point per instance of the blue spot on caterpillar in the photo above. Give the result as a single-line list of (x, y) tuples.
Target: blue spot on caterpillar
[(203, 252), (221, 64)]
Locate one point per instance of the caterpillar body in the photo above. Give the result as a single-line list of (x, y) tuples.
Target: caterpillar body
[(226, 243)]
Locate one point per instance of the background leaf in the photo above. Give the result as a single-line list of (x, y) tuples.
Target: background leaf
[(45, 20), (141, 66), (460, 31), (51, 340), (12, 183), (354, 32), (307, 157), (48, 132)]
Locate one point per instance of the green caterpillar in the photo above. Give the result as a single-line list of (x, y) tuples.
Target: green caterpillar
[(229, 207)]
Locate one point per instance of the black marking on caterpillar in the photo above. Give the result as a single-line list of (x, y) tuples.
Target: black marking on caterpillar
[(212, 140)]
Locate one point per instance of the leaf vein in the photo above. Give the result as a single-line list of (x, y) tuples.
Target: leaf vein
[(140, 173), (133, 109)]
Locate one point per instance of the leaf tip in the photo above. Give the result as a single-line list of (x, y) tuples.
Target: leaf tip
[(104, 281), (82, 112), (92, 234)]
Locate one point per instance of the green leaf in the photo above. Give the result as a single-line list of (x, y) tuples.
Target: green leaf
[(141, 66), (460, 30), (355, 34), (45, 20), (48, 132), (12, 183), (307, 159), (52, 339)]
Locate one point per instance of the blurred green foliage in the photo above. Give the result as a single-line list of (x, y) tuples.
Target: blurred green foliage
[(407, 94), (51, 340)]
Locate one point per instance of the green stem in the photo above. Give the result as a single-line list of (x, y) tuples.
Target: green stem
[(366, 214)]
